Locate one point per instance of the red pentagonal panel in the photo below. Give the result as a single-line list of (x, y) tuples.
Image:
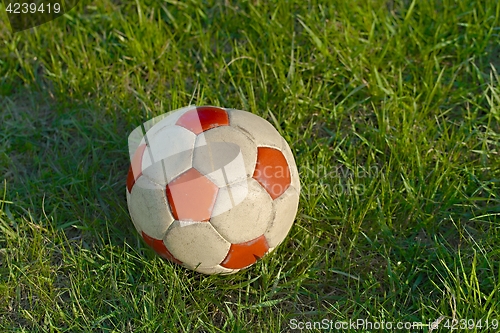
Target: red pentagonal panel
[(272, 171), (245, 254), (203, 118), (159, 247), (191, 196), (135, 170)]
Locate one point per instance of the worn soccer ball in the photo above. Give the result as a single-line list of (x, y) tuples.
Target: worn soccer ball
[(212, 189)]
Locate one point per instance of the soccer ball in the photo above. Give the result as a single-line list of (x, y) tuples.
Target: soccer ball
[(211, 189)]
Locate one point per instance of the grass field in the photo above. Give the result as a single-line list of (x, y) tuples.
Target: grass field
[(392, 109)]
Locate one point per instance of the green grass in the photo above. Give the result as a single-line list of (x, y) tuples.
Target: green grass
[(392, 109)]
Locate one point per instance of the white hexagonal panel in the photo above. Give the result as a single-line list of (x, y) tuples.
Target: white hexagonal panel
[(218, 269), (286, 209), (257, 128), (149, 209), (196, 244), (165, 120), (129, 203), (246, 220), (168, 155), (224, 155), (152, 126), (230, 196)]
